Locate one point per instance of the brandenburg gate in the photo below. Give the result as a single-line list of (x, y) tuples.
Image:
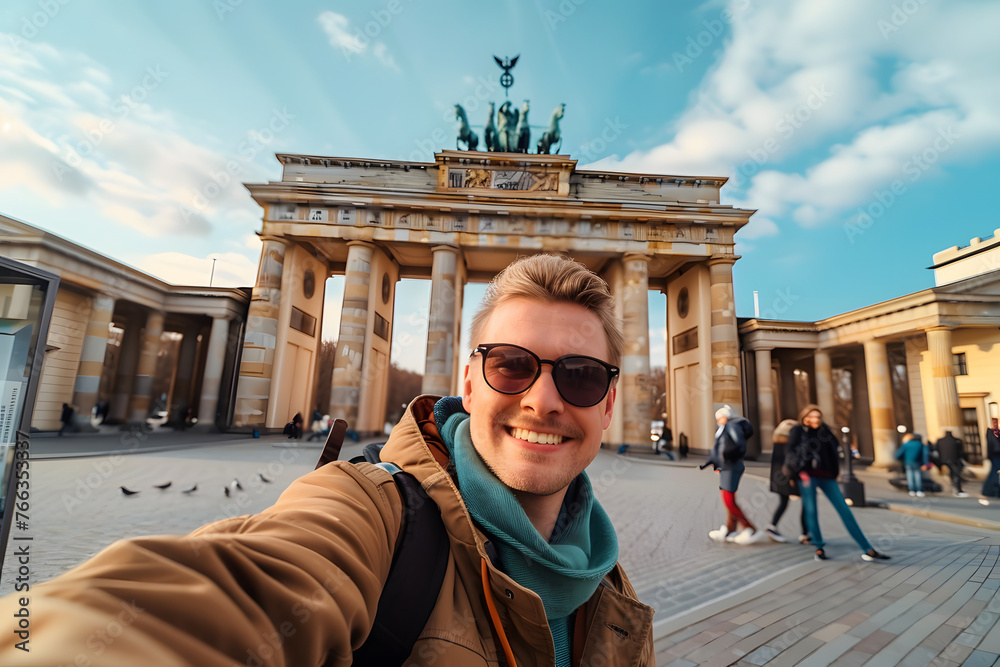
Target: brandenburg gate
[(463, 218)]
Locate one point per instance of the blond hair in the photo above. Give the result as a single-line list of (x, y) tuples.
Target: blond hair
[(553, 279)]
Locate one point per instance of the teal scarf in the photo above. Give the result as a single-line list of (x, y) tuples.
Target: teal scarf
[(565, 571)]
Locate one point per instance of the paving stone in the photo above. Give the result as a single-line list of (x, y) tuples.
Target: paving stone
[(851, 659), (980, 659), (761, 656), (875, 641)]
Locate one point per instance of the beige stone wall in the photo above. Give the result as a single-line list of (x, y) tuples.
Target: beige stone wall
[(980, 256), (295, 351), (982, 356), (980, 387), (691, 395), (66, 332)]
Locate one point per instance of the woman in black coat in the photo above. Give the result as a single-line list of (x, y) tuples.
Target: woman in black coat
[(782, 485), (812, 457)]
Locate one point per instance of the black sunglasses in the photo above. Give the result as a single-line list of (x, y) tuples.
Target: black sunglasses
[(581, 381)]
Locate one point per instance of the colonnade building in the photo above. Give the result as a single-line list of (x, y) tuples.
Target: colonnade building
[(110, 329), (927, 362)]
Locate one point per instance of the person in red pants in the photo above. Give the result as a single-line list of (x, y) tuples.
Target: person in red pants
[(727, 457)]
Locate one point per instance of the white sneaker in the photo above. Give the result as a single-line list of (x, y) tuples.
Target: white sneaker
[(719, 535), (742, 537), (961, 494), (913, 493), (749, 536), (920, 494)]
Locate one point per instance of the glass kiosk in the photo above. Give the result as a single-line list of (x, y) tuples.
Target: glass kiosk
[(27, 296)]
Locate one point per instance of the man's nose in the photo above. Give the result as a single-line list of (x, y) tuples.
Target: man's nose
[(542, 397)]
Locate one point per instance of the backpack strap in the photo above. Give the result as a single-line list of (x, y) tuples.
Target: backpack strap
[(419, 561)]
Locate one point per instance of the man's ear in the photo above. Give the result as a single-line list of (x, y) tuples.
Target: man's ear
[(467, 391), (609, 407)]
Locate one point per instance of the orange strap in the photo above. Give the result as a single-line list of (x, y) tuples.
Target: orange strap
[(495, 616)]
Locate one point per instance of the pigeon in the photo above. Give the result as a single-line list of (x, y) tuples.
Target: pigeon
[(235, 485), (128, 492), (163, 486), (226, 489), (263, 479), (192, 489)]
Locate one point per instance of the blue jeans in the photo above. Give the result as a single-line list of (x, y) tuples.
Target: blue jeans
[(836, 498), (914, 480)]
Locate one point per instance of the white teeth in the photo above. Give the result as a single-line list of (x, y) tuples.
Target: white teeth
[(533, 436)]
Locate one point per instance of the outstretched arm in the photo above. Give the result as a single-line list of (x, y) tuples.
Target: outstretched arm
[(289, 586)]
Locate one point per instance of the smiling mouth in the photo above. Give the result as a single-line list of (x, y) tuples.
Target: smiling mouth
[(535, 436)]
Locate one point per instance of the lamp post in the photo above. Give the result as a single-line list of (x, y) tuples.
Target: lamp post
[(852, 488)]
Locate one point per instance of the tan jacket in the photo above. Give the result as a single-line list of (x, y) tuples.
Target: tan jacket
[(298, 585)]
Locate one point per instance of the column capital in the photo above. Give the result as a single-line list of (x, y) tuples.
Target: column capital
[(447, 247), (938, 328), (629, 256), (264, 238), (715, 260), (362, 244)]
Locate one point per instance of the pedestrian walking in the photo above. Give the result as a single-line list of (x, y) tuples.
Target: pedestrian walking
[(66, 418), (991, 487), (782, 485), (914, 456), (727, 458), (812, 457), (950, 450), (665, 443)]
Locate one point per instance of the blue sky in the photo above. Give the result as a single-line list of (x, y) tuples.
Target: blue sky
[(864, 132)]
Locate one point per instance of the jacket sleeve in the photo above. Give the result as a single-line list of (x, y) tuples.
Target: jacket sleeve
[(793, 457), (296, 584)]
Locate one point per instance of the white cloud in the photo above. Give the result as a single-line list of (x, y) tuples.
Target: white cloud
[(353, 42), (336, 26), (796, 76), (105, 145), (231, 269)]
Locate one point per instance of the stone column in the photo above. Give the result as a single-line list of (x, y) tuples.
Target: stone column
[(824, 385), (142, 386), (634, 391), (725, 338), (180, 401), (949, 415), (347, 376), (128, 360), (95, 346), (254, 385), (442, 334), (765, 397), (215, 361), (880, 402)]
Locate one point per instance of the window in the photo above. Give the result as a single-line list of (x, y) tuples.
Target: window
[(958, 361), (302, 321)]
